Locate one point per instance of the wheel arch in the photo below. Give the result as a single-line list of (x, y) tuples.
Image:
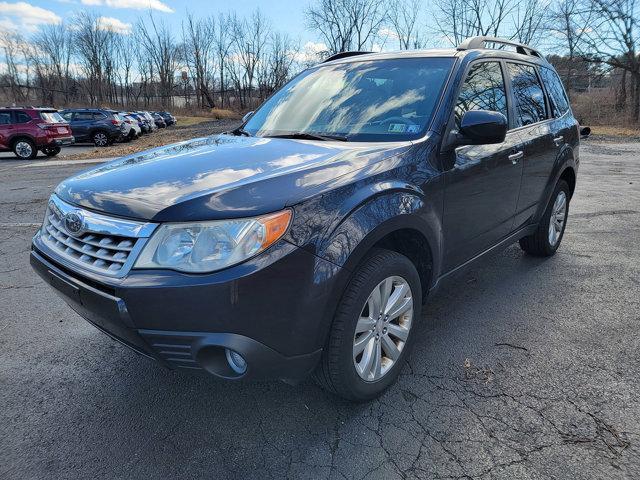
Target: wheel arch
[(569, 176), (19, 136)]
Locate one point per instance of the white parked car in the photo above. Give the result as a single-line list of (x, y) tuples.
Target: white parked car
[(132, 129)]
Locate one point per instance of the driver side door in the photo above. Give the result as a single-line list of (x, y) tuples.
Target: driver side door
[(482, 182)]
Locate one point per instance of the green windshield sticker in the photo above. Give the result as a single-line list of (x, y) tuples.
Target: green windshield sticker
[(397, 127)]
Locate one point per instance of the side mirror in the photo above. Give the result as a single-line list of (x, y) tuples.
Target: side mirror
[(585, 132), (247, 116), (482, 127)]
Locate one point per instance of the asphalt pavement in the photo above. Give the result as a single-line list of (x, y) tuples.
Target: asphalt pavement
[(68, 150), (524, 368)]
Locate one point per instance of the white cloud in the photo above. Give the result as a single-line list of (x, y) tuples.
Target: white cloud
[(311, 53), (24, 16), (132, 4), (114, 25), (387, 32)]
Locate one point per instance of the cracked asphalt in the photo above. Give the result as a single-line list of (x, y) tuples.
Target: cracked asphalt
[(524, 369)]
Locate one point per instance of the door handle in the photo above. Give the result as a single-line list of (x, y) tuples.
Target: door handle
[(514, 157), (558, 140)]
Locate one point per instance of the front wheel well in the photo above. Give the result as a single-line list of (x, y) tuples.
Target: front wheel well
[(569, 176), (413, 245)]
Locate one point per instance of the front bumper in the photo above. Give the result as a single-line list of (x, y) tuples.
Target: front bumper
[(270, 310)]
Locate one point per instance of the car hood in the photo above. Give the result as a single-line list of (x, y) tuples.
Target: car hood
[(221, 176)]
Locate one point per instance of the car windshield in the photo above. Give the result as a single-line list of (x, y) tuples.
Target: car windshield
[(380, 100), (52, 117)]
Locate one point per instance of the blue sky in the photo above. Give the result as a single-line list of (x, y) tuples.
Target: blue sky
[(27, 15)]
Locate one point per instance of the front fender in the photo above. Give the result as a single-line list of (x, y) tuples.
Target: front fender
[(379, 216)]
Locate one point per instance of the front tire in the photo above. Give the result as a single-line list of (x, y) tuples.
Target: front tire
[(544, 242), (372, 332)]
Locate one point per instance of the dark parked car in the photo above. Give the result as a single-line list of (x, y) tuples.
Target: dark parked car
[(168, 118), (307, 240), (159, 120), (25, 131), (99, 126)]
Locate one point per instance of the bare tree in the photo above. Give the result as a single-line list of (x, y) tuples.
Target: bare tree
[(347, 24), (198, 48), (54, 44), (250, 41), (403, 18), (159, 44), (612, 38), (223, 42), (567, 20), (528, 19)]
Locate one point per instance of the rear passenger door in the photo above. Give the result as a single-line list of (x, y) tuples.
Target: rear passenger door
[(482, 181), (81, 123), (534, 128), (563, 125), (22, 123)]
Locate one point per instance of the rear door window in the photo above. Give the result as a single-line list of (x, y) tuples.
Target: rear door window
[(528, 94), (557, 96), (483, 89), (83, 116), (22, 117)]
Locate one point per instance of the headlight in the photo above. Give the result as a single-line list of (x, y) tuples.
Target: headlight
[(209, 246)]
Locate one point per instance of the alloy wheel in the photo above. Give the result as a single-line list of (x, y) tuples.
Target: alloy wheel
[(100, 139), (558, 217), (383, 328), (24, 149)]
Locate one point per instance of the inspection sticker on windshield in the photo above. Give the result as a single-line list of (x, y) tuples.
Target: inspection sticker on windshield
[(397, 127)]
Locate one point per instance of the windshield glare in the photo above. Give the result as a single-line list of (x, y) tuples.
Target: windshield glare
[(380, 100)]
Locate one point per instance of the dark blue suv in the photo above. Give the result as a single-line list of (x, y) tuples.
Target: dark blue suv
[(306, 240), (98, 126)]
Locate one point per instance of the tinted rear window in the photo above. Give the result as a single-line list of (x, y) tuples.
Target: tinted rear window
[(557, 96), (22, 117), (528, 93), (5, 118)]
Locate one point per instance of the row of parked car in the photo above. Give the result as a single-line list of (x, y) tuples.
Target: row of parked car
[(25, 131)]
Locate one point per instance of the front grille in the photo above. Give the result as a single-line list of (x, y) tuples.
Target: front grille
[(101, 252), (100, 243)]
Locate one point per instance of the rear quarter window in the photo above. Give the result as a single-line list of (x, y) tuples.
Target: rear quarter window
[(5, 118), (557, 95)]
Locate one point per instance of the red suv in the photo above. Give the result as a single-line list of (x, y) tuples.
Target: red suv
[(27, 130)]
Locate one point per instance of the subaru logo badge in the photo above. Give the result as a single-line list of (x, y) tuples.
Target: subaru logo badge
[(74, 223)]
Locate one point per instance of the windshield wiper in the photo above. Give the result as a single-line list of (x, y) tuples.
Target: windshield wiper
[(239, 132), (309, 136)]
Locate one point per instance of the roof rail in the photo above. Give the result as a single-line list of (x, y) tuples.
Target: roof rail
[(340, 55), (479, 42)]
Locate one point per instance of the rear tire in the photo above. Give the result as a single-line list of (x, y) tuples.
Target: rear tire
[(51, 151), (358, 362), (544, 242), (25, 149), (100, 139)]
